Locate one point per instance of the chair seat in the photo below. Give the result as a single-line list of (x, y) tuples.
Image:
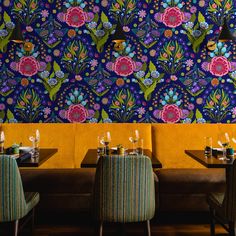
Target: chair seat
[(32, 199)]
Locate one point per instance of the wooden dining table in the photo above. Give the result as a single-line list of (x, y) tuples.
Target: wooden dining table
[(91, 158), (38, 158), (214, 162)]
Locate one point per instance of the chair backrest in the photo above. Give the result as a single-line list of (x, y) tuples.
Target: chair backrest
[(124, 189), (12, 199), (229, 202)]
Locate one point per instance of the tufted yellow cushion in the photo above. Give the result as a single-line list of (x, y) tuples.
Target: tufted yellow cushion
[(61, 136), (170, 141)]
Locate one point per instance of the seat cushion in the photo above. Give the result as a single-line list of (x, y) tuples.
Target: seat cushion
[(58, 180), (32, 199), (60, 189), (186, 189), (191, 180)]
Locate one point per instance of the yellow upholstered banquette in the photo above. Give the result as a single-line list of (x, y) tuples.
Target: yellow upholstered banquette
[(167, 141)]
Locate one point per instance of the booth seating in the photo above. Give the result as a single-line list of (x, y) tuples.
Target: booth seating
[(63, 185)]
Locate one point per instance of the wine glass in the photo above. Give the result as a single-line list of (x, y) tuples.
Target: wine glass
[(224, 142), (105, 140), (35, 142), (134, 140)]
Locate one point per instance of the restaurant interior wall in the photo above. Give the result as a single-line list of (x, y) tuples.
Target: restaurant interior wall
[(165, 74)]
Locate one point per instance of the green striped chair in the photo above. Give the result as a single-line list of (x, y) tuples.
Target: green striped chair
[(124, 190), (14, 203)]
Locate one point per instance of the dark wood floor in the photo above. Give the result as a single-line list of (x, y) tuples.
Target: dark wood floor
[(160, 230), (162, 225)]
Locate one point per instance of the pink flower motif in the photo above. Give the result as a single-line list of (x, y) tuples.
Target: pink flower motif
[(77, 113), (234, 111), (171, 113), (28, 66), (126, 28), (219, 66), (75, 17), (172, 17), (45, 13), (124, 66)]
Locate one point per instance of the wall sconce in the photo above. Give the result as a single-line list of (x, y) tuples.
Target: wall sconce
[(118, 37), (225, 36), (17, 37)]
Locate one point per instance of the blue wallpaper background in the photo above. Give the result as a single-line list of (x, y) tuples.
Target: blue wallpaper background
[(73, 74)]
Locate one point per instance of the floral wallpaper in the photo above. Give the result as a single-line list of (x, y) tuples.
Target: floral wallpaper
[(164, 73)]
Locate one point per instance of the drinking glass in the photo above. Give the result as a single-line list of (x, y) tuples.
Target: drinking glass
[(140, 146), (134, 140), (2, 139), (208, 147), (105, 140), (100, 146), (35, 143), (224, 143)]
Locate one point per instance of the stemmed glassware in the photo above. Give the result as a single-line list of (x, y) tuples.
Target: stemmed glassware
[(134, 140), (2, 139), (105, 140), (224, 142), (35, 142)]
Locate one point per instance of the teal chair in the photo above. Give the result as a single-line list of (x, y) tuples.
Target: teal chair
[(14, 203), (124, 190)]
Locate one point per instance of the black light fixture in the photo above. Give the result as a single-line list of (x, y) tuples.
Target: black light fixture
[(225, 34), (17, 37), (118, 37)]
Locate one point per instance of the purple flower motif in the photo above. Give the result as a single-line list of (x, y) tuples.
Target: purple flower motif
[(61, 16), (91, 113), (157, 114), (109, 66), (158, 17), (48, 58), (205, 66), (14, 66), (138, 66), (185, 113), (62, 114), (96, 9), (193, 9), (42, 66), (234, 111), (191, 106), (144, 58), (90, 16), (96, 106), (2, 106), (187, 16), (233, 66)]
